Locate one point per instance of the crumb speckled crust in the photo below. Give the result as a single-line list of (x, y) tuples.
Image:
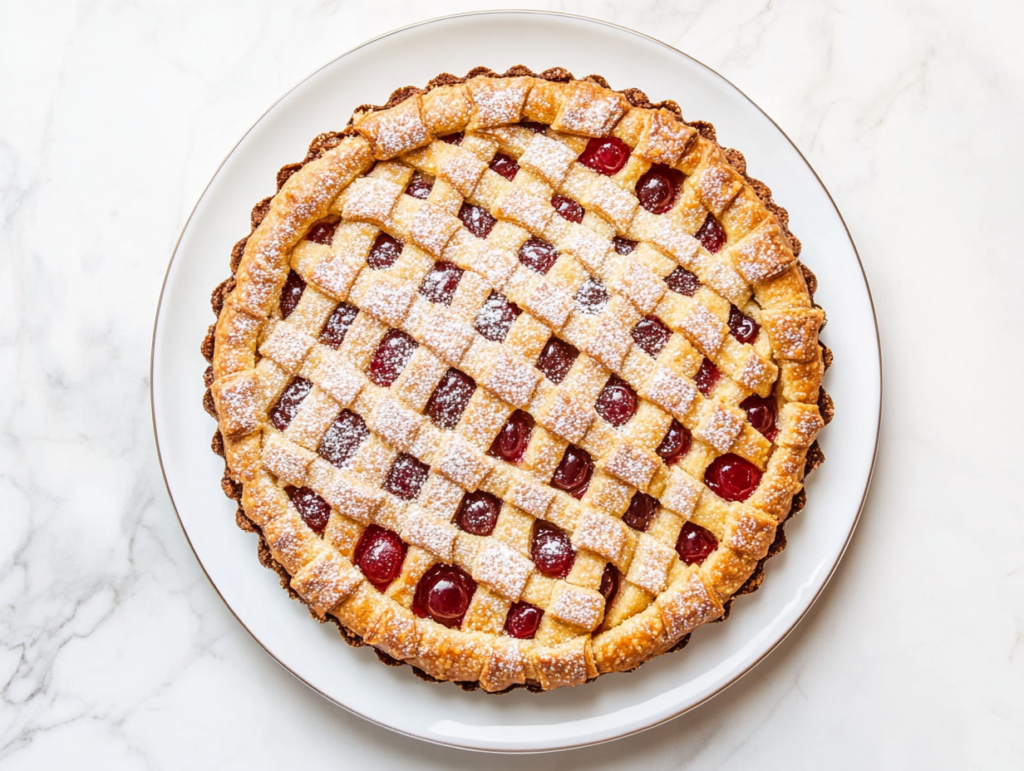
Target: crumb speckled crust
[(355, 181)]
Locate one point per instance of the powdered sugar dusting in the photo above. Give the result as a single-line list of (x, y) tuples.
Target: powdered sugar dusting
[(602, 535), (583, 608), (502, 569), (704, 328)]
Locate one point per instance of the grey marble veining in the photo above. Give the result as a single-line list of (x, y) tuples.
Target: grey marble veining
[(116, 652)]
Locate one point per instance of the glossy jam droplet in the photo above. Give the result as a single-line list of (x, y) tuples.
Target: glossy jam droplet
[(557, 359), (651, 335), (574, 472), (623, 245), (567, 208), (536, 128), (406, 477), (419, 186), (706, 377), (640, 512), (711, 235), (762, 414), (611, 579), (380, 554), (440, 283), (496, 317), (505, 165), (537, 254), (444, 594), (592, 296), (333, 333), (695, 544), (510, 443), (605, 155), (313, 509), (450, 398), (391, 357), (283, 412), (478, 513), (551, 550), (658, 188), (454, 139), (675, 444), (742, 327), (683, 281), (384, 252), (291, 293), (343, 438), (322, 231), (478, 221), (732, 477), (617, 402), (523, 620)]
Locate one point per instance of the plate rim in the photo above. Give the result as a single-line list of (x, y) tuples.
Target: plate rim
[(877, 427)]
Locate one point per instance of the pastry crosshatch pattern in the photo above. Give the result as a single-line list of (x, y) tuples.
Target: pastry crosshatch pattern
[(517, 379)]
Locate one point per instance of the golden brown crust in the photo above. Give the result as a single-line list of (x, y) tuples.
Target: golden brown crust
[(761, 259)]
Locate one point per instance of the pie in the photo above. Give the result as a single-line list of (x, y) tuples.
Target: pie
[(517, 378)]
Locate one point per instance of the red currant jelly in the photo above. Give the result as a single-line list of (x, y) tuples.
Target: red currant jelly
[(342, 439), (478, 513), (683, 281), (675, 444), (658, 188), (605, 155), (478, 221), (450, 398), (695, 544), (567, 208), (731, 477), (592, 296), (640, 512), (551, 550), (651, 335), (611, 579), (384, 252), (742, 327), (537, 254), (283, 412), (574, 472), (313, 509), (523, 620), (406, 477), (440, 283), (444, 594), (391, 356), (420, 186), (337, 324), (496, 317), (510, 443), (380, 554), (762, 414), (617, 402), (711, 235), (291, 293), (505, 165), (557, 359), (707, 376), (322, 231)]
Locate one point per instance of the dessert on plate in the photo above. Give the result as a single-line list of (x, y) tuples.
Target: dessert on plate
[(517, 378)]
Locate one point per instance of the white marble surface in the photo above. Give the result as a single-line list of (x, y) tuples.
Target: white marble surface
[(116, 652)]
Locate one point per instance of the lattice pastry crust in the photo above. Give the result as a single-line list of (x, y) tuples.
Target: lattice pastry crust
[(498, 245)]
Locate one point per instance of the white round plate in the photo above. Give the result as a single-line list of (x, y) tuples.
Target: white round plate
[(615, 705)]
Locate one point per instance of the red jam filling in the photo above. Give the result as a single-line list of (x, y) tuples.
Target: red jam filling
[(496, 317), (537, 254), (675, 444), (313, 509), (592, 296), (658, 188), (384, 252), (336, 326), (322, 231), (291, 293), (743, 327), (707, 376), (478, 221), (557, 359), (444, 594), (617, 402), (343, 438), (574, 472), (695, 544), (406, 477), (731, 477), (454, 139), (440, 283), (640, 512), (711, 235), (379, 554), (611, 579), (523, 620), (478, 513), (391, 356), (762, 414), (536, 128), (510, 443), (605, 155), (450, 398), (505, 165), (651, 335), (623, 245), (551, 550), (283, 412), (683, 281), (419, 186), (567, 208)]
